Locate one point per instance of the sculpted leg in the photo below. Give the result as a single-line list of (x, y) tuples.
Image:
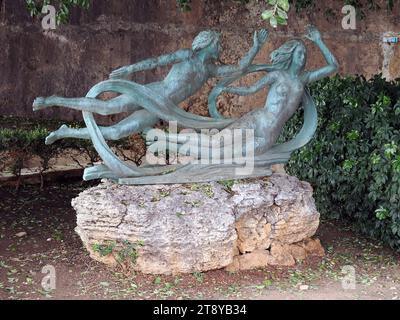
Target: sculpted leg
[(122, 103), (136, 122)]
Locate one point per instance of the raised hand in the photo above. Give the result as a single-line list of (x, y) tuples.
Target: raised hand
[(260, 37), (313, 34), (120, 73)]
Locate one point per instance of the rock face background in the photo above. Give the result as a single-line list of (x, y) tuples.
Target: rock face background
[(71, 59), (199, 227)]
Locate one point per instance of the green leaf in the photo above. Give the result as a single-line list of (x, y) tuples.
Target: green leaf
[(282, 14), (274, 22), (267, 14), (284, 4), (354, 160), (281, 21)]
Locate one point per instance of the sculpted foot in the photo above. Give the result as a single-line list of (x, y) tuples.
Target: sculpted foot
[(57, 135), (39, 103), (42, 103)]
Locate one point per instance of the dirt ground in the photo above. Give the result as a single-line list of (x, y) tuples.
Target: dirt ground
[(37, 230)]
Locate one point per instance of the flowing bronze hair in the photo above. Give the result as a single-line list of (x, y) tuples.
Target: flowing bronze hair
[(282, 57), (204, 39)]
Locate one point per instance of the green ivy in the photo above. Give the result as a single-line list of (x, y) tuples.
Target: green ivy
[(353, 162)]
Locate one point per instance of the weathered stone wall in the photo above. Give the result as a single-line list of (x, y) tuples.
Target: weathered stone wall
[(71, 59)]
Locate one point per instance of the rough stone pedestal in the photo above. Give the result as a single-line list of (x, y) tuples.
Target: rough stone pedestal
[(169, 229)]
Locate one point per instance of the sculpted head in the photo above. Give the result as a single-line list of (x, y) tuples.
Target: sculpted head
[(207, 41), (293, 54)]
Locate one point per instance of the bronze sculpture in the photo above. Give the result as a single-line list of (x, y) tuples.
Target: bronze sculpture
[(149, 103)]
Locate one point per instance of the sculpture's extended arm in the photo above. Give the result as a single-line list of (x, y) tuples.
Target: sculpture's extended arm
[(258, 41), (331, 68), (151, 63), (260, 84)]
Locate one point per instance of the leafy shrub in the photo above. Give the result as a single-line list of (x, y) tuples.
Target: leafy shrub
[(17, 145), (20, 145), (353, 162)]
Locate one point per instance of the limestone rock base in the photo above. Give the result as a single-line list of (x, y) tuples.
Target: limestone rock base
[(170, 229)]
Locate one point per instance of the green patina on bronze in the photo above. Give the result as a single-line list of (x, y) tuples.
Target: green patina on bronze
[(191, 68)]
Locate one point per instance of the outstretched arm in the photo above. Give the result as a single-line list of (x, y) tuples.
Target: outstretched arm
[(258, 41), (260, 84), (151, 63), (331, 68)]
